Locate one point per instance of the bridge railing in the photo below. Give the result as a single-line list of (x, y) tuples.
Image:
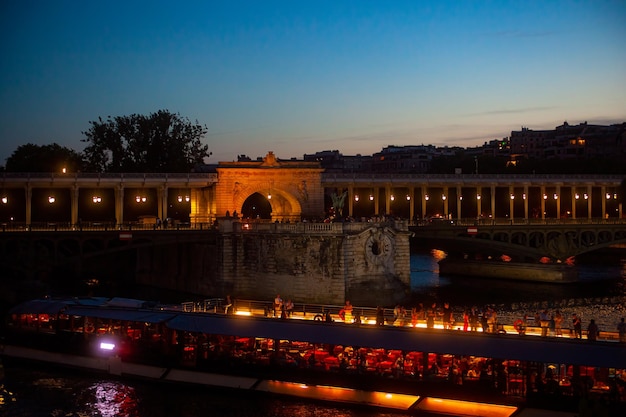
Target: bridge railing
[(504, 221), (98, 226)]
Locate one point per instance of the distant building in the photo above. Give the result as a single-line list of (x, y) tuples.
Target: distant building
[(407, 159), (334, 161), (570, 142)]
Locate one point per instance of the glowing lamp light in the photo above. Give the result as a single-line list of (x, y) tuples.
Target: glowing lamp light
[(512, 197), (107, 346), (477, 196), (5, 200), (545, 196), (180, 198), (51, 199), (356, 197), (97, 199), (371, 197), (556, 196), (408, 197), (393, 197), (426, 197), (577, 196)]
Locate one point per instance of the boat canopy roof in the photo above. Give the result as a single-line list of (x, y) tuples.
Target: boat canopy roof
[(139, 315), (42, 306)]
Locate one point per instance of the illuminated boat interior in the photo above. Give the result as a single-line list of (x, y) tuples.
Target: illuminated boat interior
[(407, 369)]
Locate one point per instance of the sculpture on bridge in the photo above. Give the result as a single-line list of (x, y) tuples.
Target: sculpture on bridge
[(338, 202)]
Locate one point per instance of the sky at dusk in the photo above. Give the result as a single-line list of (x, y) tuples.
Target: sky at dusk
[(297, 77)]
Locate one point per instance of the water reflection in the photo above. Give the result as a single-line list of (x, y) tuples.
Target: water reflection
[(112, 399)]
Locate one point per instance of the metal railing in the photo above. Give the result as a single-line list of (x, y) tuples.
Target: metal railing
[(367, 315)]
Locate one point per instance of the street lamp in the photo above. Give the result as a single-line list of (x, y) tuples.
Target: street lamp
[(96, 199), (443, 205)]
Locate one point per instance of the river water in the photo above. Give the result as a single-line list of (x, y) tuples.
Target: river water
[(41, 392)]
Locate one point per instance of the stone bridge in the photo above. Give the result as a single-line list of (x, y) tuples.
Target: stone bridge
[(305, 261), (523, 241)]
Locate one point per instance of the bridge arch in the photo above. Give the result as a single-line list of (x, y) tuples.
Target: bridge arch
[(284, 205), (292, 188)]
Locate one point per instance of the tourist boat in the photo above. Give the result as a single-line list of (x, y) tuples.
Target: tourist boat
[(402, 368), (516, 271)]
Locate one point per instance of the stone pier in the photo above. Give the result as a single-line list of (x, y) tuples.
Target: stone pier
[(323, 263)]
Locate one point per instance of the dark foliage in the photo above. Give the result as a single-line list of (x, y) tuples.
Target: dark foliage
[(159, 142), (43, 158)]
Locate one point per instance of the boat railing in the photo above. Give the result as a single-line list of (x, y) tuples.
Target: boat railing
[(260, 308), (210, 305), (266, 308)]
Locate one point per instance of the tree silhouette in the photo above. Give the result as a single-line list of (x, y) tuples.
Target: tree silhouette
[(160, 142), (43, 158)]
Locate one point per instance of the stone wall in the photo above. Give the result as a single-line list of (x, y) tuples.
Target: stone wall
[(368, 263)]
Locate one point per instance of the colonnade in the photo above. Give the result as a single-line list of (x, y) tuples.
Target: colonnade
[(415, 197), (512, 201)]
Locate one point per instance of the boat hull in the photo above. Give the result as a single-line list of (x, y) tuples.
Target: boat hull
[(516, 271)]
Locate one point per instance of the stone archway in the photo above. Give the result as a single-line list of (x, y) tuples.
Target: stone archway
[(293, 188), (256, 206)]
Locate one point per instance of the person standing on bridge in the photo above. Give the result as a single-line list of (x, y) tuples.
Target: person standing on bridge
[(577, 326), (592, 331), (431, 313), (278, 304), (558, 323), (544, 322), (621, 328)]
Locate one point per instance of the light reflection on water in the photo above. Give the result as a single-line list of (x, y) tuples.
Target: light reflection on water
[(37, 393)]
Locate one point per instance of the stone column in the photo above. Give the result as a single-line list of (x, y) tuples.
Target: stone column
[(558, 201), (444, 196), (350, 200), (119, 205), (29, 204), (589, 204), (376, 202), (493, 202), (543, 201), (525, 197), (573, 192), (511, 203), (387, 199), (74, 205), (479, 209), (459, 199), (603, 197), (424, 194), (411, 203)]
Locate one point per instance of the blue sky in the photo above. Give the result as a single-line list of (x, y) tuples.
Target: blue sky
[(298, 77)]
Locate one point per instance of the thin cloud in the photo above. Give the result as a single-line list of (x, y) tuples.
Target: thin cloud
[(513, 111), (521, 34)]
